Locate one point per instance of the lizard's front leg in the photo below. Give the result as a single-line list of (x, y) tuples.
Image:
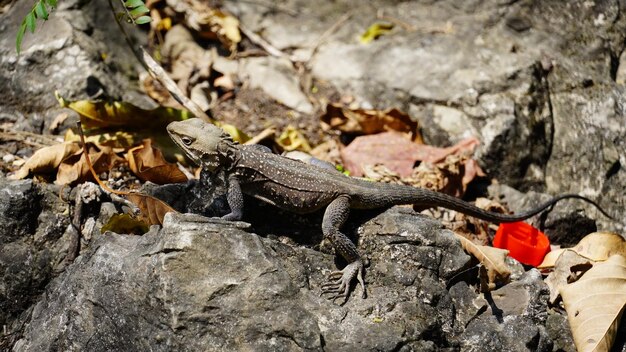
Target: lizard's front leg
[(234, 197), (339, 281)]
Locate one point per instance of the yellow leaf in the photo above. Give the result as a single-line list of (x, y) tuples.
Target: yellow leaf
[(292, 139), (238, 135), (106, 114), (374, 31), (230, 26), (595, 304), (124, 223)]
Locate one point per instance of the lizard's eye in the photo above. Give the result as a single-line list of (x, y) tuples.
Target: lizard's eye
[(186, 140)]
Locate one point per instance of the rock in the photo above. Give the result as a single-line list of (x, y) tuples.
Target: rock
[(19, 208), (65, 53), (33, 245), (204, 284), (515, 317), (277, 78)]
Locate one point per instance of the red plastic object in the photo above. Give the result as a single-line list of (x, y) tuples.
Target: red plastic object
[(525, 243)]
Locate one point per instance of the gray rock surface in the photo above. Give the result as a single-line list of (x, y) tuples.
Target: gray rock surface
[(32, 244), (66, 53), (199, 284)]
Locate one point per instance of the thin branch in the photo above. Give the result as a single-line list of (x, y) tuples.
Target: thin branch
[(159, 74)]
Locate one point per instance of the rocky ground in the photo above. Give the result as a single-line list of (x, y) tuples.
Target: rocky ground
[(540, 83)]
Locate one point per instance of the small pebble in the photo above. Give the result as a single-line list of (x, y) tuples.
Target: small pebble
[(8, 158)]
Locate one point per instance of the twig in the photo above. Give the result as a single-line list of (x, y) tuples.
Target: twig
[(322, 38), (88, 160), (269, 48), (20, 136), (159, 74), (266, 133), (272, 5)]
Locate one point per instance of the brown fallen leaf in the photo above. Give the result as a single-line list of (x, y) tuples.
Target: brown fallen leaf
[(595, 304), (596, 246), (46, 160), (494, 268), (360, 121), (399, 154), (75, 168), (152, 210), (568, 268), (148, 164)]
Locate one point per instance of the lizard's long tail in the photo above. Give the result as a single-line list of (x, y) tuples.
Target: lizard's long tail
[(454, 203), (428, 198)]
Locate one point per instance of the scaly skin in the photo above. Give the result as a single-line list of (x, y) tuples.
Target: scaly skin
[(303, 188)]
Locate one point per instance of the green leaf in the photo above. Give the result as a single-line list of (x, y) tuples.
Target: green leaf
[(52, 3), (30, 22), (20, 36), (143, 19), (40, 10), (131, 4), (139, 11)]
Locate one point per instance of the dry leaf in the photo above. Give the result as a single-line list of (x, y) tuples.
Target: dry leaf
[(58, 120), (103, 114), (374, 31), (568, 268), (46, 159), (595, 304), (596, 246), (391, 149), (292, 139), (152, 210), (75, 168), (124, 223), (238, 135), (492, 259), (148, 164), (399, 154), (360, 121), (119, 141)]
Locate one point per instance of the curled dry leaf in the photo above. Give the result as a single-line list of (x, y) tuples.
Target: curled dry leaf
[(46, 160), (596, 246), (152, 210), (595, 304), (148, 164), (75, 168), (292, 139), (492, 260), (360, 121), (568, 268)]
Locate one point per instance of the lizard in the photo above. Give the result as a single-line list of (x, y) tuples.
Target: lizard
[(304, 188)]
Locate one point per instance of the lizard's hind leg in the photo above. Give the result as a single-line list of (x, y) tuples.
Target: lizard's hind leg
[(338, 284)]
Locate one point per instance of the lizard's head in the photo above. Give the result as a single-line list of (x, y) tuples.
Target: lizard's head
[(206, 144)]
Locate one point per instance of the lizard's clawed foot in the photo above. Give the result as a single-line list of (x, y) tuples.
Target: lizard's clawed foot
[(338, 284)]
